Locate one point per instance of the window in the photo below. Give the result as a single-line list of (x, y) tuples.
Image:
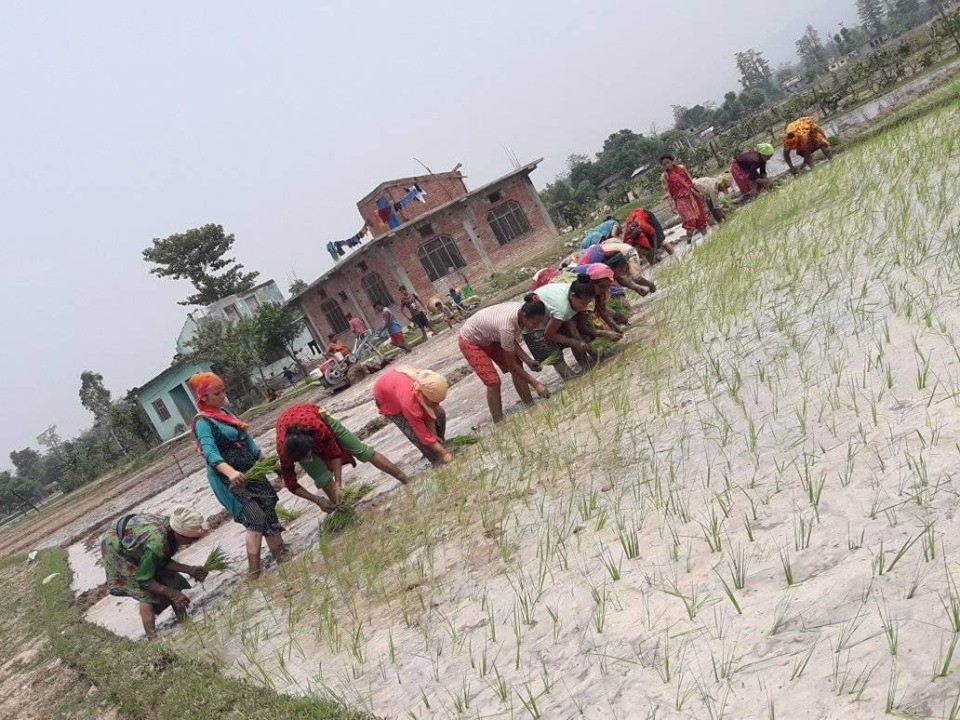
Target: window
[(495, 197), (440, 257), (508, 222), (233, 315), (343, 296), (322, 293), (362, 265), (376, 290), (335, 317), (161, 409), (252, 303), (425, 230)]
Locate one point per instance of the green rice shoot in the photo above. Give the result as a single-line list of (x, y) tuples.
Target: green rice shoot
[(287, 515), (217, 560), (345, 514), (263, 467)]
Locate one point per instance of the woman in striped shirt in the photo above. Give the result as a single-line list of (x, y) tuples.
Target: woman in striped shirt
[(489, 339)]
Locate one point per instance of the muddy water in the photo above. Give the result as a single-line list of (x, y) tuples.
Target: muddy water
[(466, 413)]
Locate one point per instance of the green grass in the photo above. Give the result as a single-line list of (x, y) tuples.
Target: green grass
[(150, 680)]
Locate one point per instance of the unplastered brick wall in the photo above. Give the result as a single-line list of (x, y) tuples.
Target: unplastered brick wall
[(439, 189)]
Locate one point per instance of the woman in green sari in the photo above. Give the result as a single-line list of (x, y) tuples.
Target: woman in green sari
[(138, 560)]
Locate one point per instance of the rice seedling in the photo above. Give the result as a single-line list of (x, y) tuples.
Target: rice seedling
[(265, 465), (942, 666), (345, 514), (217, 560), (287, 515)]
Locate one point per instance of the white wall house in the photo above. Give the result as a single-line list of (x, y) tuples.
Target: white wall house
[(235, 307)]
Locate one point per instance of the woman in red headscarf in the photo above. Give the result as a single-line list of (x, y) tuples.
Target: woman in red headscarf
[(229, 451), (678, 184)]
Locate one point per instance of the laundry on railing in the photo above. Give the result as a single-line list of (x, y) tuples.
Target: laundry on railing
[(336, 247)]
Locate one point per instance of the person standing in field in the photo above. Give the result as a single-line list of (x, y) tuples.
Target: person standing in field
[(685, 197), (448, 317), (412, 308), (410, 398), (804, 137), (490, 339), (229, 452), (392, 327), (749, 170), (137, 555), (309, 435), (357, 326)]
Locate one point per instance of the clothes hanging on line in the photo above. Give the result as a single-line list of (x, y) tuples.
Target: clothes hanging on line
[(414, 192), (335, 247)]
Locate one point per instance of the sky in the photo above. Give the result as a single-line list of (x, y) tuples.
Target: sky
[(125, 122)]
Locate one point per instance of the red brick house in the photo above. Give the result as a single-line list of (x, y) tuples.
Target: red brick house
[(450, 237)]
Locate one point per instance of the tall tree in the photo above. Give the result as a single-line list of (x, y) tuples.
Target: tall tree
[(28, 463), (906, 13), (753, 68), (871, 15), (232, 350), (94, 396), (810, 49), (297, 286), (277, 326), (198, 255)]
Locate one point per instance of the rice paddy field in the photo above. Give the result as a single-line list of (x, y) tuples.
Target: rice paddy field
[(749, 512)]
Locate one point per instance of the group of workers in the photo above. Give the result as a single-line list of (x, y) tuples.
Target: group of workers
[(569, 308)]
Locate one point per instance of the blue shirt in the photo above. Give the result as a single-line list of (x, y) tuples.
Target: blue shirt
[(208, 448)]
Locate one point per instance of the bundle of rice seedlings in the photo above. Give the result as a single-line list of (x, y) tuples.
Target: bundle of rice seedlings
[(461, 442), (345, 514), (601, 347), (263, 467), (287, 515), (217, 560)]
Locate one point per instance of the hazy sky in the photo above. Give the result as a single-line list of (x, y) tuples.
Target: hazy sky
[(127, 121)]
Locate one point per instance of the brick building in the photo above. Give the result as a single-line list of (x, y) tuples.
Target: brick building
[(446, 236)]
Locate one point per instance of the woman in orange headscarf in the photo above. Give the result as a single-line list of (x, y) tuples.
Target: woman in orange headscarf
[(804, 137), (229, 451)]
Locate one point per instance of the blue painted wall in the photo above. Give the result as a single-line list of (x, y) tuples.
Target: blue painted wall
[(163, 388)]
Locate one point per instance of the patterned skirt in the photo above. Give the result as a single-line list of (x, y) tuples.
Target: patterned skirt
[(259, 513), (121, 576)]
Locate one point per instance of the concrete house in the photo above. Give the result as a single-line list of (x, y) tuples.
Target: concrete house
[(168, 401), (430, 233)]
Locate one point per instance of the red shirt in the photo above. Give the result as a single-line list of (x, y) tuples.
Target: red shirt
[(394, 394), (325, 445), (357, 326)]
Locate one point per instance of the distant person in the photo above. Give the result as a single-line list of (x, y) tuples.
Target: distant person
[(413, 309), (804, 137), (448, 316), (309, 435), (138, 561), (288, 375), (229, 452), (357, 326), (334, 347), (643, 231), (410, 398), (490, 339), (392, 327), (749, 170), (710, 189), (456, 297), (685, 197)]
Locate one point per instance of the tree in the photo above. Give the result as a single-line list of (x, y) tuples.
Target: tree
[(50, 440), (297, 286), (232, 351), (27, 463), (94, 396), (277, 326), (753, 68), (906, 13), (810, 49), (678, 112), (130, 422), (871, 15), (197, 255)]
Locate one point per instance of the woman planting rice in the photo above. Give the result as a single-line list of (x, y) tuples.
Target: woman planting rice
[(602, 322), (686, 199), (138, 560), (490, 339), (229, 450), (625, 263), (609, 228), (563, 301), (410, 398), (749, 169), (804, 137), (643, 231), (309, 435)]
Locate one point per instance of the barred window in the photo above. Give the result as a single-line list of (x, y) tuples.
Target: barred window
[(335, 317), (440, 257), (160, 408), (376, 289), (508, 222)]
